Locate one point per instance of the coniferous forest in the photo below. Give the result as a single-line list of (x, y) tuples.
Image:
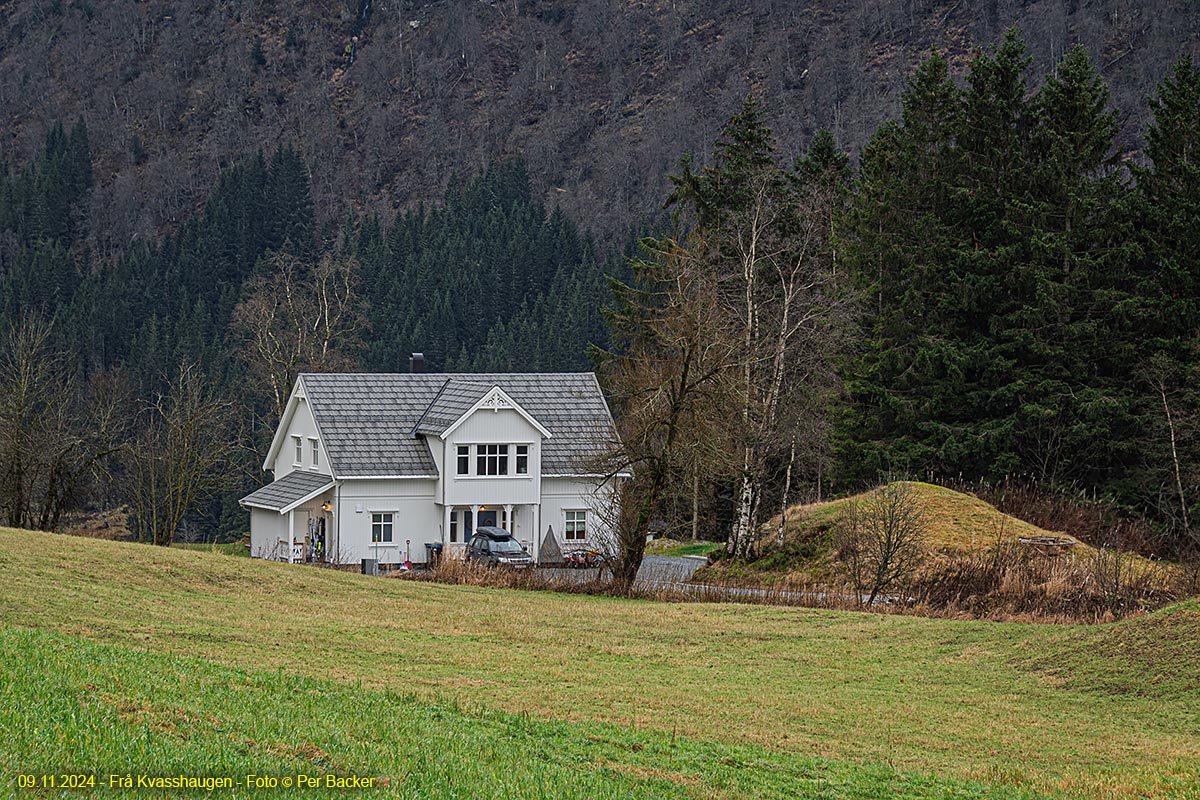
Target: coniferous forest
[(1021, 294)]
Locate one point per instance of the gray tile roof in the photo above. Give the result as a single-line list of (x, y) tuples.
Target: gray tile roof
[(367, 421), (454, 399), (282, 493)]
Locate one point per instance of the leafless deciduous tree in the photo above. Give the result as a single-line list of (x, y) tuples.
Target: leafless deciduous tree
[(665, 377), (881, 540), (179, 456), (301, 316), (56, 433)]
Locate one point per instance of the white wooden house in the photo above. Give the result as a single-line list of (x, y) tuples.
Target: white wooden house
[(379, 465)]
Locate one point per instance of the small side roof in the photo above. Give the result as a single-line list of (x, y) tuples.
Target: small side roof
[(288, 492)]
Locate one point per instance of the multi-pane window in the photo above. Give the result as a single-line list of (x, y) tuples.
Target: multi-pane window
[(381, 527), (298, 443), (491, 459), (522, 459), (576, 527), (454, 526), (315, 447), (464, 459)]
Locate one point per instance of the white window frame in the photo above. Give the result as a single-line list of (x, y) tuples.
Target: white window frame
[(390, 522), (460, 452), (314, 449), (570, 532), (521, 459), (491, 456), (454, 526), (298, 446)]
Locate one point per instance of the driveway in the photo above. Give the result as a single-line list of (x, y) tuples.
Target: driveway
[(655, 571)]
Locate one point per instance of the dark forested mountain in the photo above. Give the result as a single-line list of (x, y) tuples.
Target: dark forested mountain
[(387, 99), (243, 191)]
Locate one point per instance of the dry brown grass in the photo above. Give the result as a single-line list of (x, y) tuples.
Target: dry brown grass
[(952, 697)]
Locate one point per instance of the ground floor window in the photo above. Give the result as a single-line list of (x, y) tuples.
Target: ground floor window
[(576, 527), (381, 528), (454, 526)]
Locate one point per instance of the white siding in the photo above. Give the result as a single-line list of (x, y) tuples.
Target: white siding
[(411, 502), (266, 529), (560, 495), (487, 426), (302, 425)]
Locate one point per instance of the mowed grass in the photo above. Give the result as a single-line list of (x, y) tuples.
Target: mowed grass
[(224, 548), (111, 710), (1047, 709)]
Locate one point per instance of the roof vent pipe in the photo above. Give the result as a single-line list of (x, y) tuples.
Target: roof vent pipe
[(416, 364)]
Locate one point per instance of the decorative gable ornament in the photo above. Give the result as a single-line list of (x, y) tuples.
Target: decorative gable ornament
[(496, 400)]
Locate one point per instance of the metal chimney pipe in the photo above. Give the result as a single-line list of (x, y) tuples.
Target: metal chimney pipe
[(416, 364)]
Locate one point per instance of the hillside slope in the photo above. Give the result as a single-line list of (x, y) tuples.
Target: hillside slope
[(388, 100), (957, 699)]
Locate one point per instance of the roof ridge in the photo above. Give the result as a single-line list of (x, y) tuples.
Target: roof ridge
[(416, 425)]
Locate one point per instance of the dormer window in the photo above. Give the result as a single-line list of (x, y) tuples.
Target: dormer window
[(314, 447), (298, 447)]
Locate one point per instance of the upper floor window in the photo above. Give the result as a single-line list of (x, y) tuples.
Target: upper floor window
[(576, 527), (491, 459), (298, 444), (381, 527), (464, 459), (522, 459), (315, 447)]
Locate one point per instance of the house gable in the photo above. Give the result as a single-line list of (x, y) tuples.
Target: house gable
[(298, 421), (496, 400)]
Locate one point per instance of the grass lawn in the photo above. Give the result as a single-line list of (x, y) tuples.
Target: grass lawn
[(225, 548), (116, 710), (671, 547), (851, 698)]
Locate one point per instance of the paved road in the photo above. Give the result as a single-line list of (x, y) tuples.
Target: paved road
[(674, 572), (655, 571)]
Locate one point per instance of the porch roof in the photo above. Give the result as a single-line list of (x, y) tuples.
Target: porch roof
[(289, 491)]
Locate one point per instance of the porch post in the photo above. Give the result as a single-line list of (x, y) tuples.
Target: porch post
[(292, 536), (508, 517), (447, 511), (536, 508), (474, 521)]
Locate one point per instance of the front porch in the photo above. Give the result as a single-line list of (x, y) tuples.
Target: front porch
[(460, 521), (292, 520)]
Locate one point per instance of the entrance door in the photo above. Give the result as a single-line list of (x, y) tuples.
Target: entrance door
[(487, 518)]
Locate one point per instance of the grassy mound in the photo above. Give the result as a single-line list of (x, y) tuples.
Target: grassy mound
[(955, 523), (1155, 656), (962, 701)]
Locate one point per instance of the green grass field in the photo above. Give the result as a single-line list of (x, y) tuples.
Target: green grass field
[(132, 658), (224, 548), (671, 547)]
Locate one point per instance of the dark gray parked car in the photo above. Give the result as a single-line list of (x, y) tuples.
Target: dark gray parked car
[(496, 547)]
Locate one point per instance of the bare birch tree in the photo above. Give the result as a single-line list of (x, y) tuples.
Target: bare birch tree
[(301, 316), (766, 242)]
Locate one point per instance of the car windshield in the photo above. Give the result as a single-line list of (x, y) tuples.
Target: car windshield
[(506, 546)]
